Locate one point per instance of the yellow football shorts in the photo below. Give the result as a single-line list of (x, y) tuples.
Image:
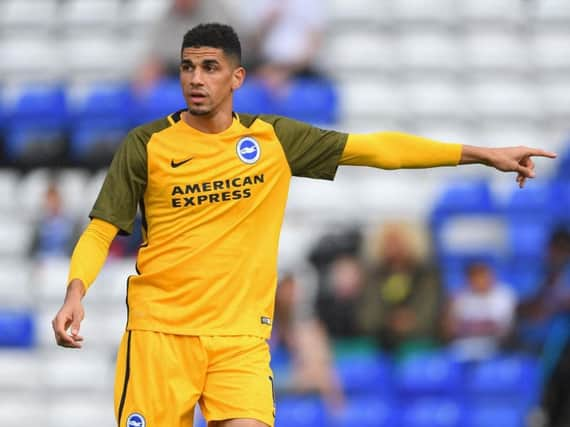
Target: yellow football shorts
[(160, 378)]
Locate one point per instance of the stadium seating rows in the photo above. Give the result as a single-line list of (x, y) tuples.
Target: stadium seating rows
[(379, 392), (475, 71), (422, 391), (83, 124), (79, 12), (470, 63), (470, 224), (512, 224), (510, 230), (95, 118)]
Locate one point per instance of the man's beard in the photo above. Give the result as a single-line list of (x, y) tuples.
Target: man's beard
[(198, 112)]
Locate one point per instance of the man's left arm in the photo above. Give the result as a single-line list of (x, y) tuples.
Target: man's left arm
[(397, 150)]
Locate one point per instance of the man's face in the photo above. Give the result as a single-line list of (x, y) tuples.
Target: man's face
[(208, 78)]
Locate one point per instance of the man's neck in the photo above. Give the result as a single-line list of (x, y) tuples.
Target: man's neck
[(214, 123)]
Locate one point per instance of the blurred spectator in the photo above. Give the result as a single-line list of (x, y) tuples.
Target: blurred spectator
[(305, 339), (545, 327), (55, 233), (340, 279), (556, 396), (339, 303), (288, 36), (331, 246), (480, 317), (401, 302), (163, 58), (551, 302)]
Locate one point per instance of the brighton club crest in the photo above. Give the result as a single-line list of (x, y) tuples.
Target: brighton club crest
[(248, 150)]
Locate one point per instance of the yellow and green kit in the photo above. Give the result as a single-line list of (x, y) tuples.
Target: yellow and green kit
[(212, 208)]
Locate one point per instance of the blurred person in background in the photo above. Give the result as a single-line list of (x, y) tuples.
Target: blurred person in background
[(545, 328), (340, 277), (305, 339), (402, 300), (287, 37), (551, 302), (163, 56), (339, 303), (55, 233), (479, 319)]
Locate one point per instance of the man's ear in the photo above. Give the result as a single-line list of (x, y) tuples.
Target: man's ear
[(238, 78)]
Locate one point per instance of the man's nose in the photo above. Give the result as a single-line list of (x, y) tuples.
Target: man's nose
[(196, 77)]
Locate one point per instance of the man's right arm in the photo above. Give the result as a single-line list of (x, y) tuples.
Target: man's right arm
[(87, 260)]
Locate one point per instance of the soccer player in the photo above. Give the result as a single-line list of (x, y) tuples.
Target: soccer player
[(212, 185)]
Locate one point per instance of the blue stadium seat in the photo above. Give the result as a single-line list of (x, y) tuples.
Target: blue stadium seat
[(35, 124), (312, 100), (528, 237), (532, 200), (253, 98), (507, 378), (466, 201), (157, 102), (300, 411), (530, 214), (560, 206), (433, 412), (365, 411), (199, 420), (563, 170), (435, 373), (99, 122), (365, 373), (281, 366), (494, 415), (16, 329), (2, 110), (525, 275), (465, 198), (279, 355)]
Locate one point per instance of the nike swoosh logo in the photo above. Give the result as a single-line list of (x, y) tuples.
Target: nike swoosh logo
[(176, 164)]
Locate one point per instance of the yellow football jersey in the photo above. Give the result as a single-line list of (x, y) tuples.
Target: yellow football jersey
[(212, 208)]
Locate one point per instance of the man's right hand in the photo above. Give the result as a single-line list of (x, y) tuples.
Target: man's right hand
[(70, 316)]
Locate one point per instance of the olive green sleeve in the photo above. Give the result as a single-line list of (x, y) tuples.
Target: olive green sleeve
[(311, 152), (124, 184)]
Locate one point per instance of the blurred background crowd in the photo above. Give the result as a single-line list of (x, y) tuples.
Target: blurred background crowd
[(425, 298)]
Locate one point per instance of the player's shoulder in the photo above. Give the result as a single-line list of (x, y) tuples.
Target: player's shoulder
[(144, 131)]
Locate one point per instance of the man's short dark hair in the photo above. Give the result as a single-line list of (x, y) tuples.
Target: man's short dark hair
[(214, 35)]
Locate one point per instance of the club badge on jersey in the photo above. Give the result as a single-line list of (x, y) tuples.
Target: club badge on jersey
[(248, 150), (136, 420)]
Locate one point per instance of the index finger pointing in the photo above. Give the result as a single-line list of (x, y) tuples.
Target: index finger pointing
[(541, 153)]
